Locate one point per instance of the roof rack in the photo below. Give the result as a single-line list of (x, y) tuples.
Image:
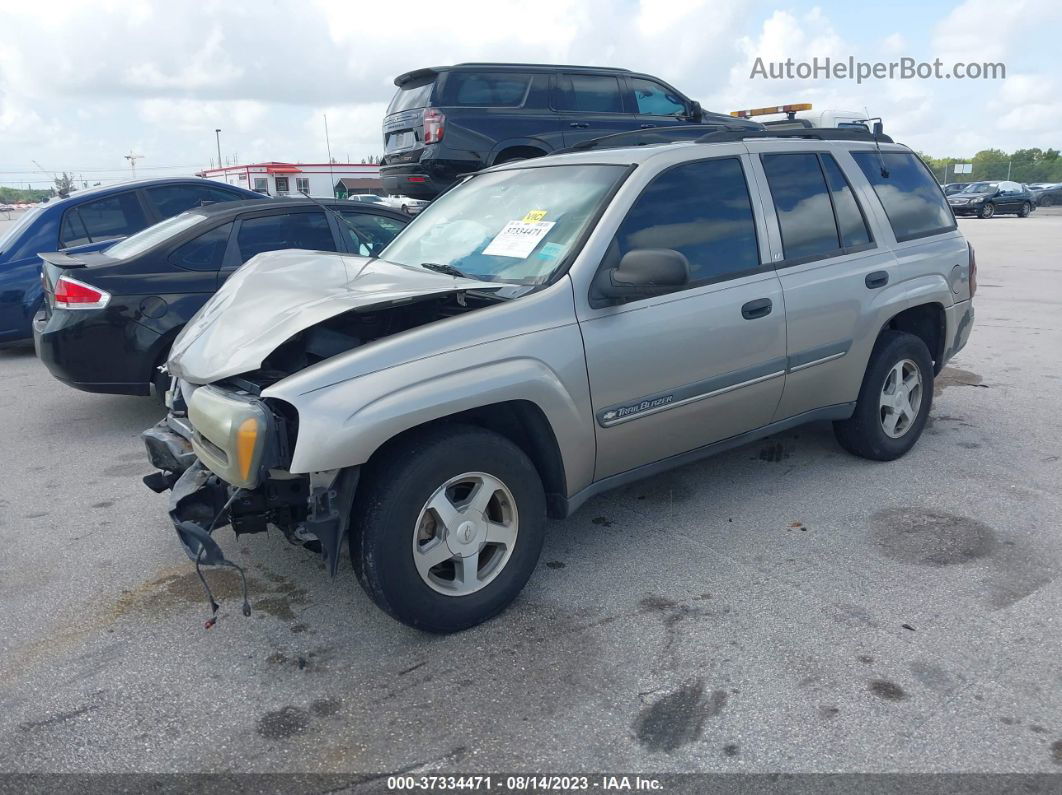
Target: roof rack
[(814, 133), (658, 135)]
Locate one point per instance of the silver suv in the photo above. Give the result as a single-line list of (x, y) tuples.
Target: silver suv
[(551, 329)]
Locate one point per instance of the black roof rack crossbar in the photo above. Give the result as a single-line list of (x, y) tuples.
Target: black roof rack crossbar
[(659, 135), (815, 133)]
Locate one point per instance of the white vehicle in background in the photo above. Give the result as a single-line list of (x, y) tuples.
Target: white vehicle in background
[(403, 203), (803, 115)]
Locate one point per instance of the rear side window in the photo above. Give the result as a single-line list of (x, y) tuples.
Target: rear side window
[(103, 219), (486, 89), (652, 99), (910, 195), (172, 200), (589, 94), (371, 233), (206, 252), (274, 232), (700, 209), (802, 203)]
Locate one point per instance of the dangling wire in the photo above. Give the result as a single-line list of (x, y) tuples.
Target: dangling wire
[(214, 606)]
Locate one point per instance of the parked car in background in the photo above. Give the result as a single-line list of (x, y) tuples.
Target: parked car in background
[(1047, 194), (953, 187), (451, 120), (110, 317), (548, 331), (88, 220), (985, 199), (403, 203)]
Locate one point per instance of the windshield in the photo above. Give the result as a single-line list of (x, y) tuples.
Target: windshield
[(9, 237), (137, 244), (511, 226), (980, 187)]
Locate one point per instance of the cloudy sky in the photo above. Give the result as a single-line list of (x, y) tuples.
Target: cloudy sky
[(83, 83)]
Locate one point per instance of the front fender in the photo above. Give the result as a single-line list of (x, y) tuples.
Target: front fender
[(342, 425)]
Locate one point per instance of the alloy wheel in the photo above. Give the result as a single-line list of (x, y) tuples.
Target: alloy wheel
[(465, 534), (901, 398)]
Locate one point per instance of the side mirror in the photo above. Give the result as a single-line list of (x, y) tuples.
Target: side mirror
[(642, 273), (696, 112)]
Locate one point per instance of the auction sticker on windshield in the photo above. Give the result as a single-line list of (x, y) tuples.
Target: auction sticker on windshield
[(518, 238)]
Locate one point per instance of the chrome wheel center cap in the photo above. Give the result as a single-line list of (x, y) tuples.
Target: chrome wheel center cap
[(467, 537)]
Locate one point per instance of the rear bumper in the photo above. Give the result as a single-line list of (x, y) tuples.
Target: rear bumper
[(960, 320), (425, 179), (85, 349)]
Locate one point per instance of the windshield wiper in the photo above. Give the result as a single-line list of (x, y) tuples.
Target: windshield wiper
[(449, 270)]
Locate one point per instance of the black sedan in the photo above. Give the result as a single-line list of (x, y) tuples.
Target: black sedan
[(109, 319), (985, 199), (1047, 194)]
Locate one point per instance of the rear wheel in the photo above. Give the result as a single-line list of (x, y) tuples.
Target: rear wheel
[(894, 400), (449, 529), (987, 210), (1025, 210), (1046, 201)]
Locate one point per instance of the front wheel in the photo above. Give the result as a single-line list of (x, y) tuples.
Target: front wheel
[(894, 400), (1025, 210), (987, 210), (448, 526)]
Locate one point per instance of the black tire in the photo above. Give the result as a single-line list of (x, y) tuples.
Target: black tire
[(863, 433), (1025, 211), (987, 210), (394, 489), (1046, 201)]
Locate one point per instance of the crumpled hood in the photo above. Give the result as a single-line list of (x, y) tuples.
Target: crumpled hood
[(280, 293)]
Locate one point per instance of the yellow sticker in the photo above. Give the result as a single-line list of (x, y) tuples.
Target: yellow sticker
[(535, 216)]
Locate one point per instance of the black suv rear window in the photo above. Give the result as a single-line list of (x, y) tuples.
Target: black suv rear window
[(412, 95), (910, 195), (485, 89)]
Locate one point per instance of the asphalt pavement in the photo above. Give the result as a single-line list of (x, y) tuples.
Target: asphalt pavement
[(784, 607)]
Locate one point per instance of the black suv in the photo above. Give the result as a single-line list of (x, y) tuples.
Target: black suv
[(450, 120)]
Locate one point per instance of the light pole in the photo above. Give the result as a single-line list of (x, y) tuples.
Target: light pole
[(217, 136)]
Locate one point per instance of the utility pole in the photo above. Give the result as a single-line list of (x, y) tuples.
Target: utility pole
[(328, 146), (217, 138), (132, 158)]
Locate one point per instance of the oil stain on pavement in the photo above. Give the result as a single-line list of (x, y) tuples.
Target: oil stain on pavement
[(930, 538), (678, 718)]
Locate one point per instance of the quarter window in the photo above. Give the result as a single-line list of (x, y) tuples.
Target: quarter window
[(590, 94), (652, 99), (206, 252), (371, 233), (802, 203), (910, 195), (273, 232), (486, 89), (700, 209), (850, 221)]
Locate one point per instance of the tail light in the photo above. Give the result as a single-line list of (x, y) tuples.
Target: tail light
[(72, 294), (434, 126), (973, 270)]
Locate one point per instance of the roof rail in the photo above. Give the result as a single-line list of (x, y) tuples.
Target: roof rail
[(658, 135), (543, 65), (815, 133)]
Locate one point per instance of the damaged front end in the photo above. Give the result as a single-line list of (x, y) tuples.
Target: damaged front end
[(223, 452)]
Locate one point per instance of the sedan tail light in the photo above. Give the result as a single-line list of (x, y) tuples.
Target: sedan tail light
[(72, 294), (434, 126)]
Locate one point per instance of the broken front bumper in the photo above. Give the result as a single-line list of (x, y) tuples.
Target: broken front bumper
[(312, 510)]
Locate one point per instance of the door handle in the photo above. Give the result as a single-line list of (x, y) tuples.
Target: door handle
[(646, 126), (877, 279), (579, 125), (761, 307)]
